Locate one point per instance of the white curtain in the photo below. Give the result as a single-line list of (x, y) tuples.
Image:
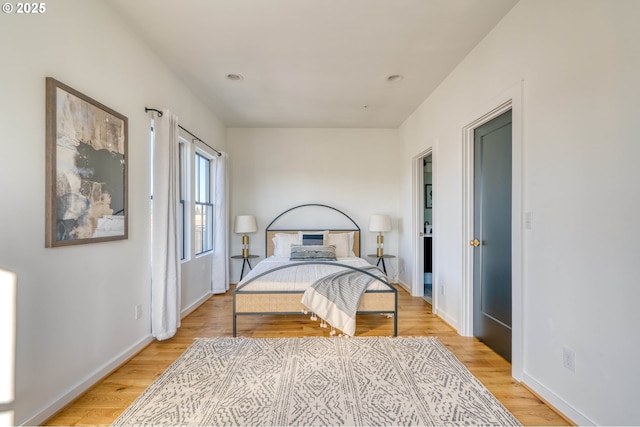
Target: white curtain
[(220, 267), (165, 238)]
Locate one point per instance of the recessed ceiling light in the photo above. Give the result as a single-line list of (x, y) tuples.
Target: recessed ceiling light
[(235, 77), (395, 78)]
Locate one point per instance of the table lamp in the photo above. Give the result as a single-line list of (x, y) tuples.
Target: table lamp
[(245, 224), (380, 224)]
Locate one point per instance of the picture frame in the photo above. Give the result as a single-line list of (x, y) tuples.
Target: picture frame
[(86, 169), (428, 196)]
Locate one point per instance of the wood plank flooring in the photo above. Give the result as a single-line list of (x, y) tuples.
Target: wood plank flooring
[(102, 404)]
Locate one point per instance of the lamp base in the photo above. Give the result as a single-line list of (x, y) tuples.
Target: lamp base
[(379, 250), (245, 246)]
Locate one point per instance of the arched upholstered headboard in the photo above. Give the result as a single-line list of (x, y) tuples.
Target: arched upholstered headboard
[(273, 228)]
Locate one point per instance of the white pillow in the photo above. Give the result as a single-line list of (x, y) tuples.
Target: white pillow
[(282, 244), (343, 243)]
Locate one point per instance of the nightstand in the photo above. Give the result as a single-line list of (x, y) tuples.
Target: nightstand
[(245, 261), (381, 259)]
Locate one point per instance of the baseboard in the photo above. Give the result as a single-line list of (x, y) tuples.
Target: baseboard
[(447, 319), (563, 409), (52, 408), (187, 311), (405, 286)]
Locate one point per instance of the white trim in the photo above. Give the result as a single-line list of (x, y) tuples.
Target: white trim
[(185, 192), (188, 310), (560, 405), (53, 407), (435, 241), (405, 286), (511, 99), (451, 321)]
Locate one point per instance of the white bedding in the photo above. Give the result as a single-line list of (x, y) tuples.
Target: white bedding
[(297, 278)]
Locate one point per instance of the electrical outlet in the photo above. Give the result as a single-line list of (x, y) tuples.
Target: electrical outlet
[(138, 311), (442, 290), (569, 359)]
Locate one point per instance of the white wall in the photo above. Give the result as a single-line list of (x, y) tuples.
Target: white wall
[(354, 170), (580, 63), (75, 309)]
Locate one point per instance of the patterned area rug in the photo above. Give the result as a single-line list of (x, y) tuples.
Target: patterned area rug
[(317, 381)]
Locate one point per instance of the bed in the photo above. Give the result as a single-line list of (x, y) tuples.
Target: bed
[(276, 285)]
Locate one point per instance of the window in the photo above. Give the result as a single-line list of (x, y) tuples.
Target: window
[(195, 197), (182, 217), (203, 218)]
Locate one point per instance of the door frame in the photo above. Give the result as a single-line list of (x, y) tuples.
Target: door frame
[(418, 225), (510, 100)]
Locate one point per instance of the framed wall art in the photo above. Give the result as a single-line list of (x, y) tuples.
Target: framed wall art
[(428, 196), (86, 169)]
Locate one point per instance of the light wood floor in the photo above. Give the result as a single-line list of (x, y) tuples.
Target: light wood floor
[(102, 404)]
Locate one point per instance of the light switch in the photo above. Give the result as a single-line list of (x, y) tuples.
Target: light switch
[(528, 220)]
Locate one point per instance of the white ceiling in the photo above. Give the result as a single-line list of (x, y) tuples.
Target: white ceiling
[(312, 63)]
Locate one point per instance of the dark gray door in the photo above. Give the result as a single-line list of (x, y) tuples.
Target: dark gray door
[(492, 234)]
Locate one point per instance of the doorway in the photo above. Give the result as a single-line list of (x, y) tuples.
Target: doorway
[(424, 173), (492, 234), (427, 264), (510, 100)]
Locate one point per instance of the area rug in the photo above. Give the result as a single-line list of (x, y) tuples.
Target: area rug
[(358, 381)]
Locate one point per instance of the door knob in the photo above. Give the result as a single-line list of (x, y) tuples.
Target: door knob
[(474, 243)]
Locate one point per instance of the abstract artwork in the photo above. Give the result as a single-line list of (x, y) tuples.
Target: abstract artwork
[(86, 150)]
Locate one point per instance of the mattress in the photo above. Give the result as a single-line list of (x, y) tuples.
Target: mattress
[(298, 277)]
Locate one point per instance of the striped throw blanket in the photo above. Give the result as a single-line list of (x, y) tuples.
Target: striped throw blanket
[(335, 298)]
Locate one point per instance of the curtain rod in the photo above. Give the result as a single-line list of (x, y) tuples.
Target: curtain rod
[(146, 110)]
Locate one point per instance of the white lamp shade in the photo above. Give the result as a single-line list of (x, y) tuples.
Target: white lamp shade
[(380, 223), (245, 224)]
